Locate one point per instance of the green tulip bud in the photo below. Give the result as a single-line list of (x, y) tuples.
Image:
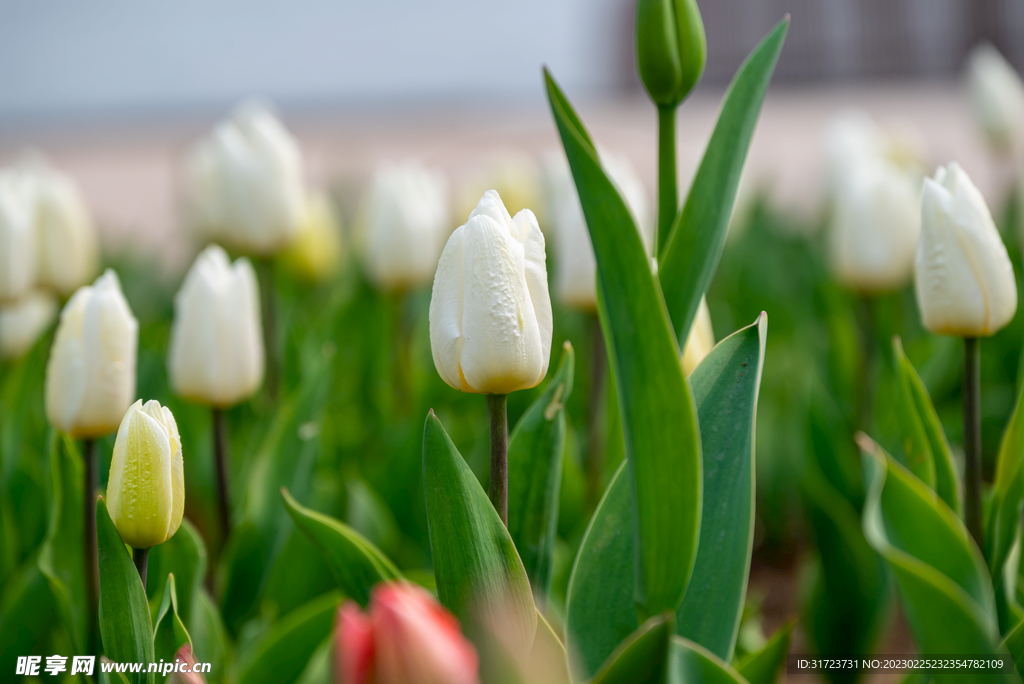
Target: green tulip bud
[(670, 48)]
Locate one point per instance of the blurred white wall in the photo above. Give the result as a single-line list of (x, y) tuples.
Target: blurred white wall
[(64, 59)]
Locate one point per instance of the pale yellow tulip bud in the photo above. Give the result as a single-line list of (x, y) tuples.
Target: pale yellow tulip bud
[(23, 320), (90, 377), (315, 254), (963, 275), (146, 487), (17, 237), (490, 313), (701, 339), (244, 183), (216, 354)]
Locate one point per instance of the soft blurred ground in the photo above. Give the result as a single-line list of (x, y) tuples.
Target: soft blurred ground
[(130, 172)]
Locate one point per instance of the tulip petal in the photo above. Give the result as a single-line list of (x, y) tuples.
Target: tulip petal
[(354, 645), (446, 308)]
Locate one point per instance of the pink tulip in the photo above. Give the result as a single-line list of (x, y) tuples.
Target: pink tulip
[(405, 638)]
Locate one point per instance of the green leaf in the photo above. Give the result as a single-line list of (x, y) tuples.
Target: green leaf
[(1014, 645), (169, 634), (691, 663), (282, 655), (184, 556), (535, 452), (356, 563), (548, 655), (765, 666), (318, 669), (694, 247), (917, 450), (659, 420), (209, 636), (725, 386), (477, 567), (599, 609), (60, 557), (26, 615), (643, 658), (1004, 514), (125, 623), (944, 584)]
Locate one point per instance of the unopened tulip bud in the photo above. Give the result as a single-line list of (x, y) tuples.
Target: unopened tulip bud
[(407, 638), (216, 354), (875, 227), (997, 96), (671, 48), (963, 276), (244, 183), (701, 339), (490, 313), (405, 222), (17, 237), (146, 487), (90, 377), (23, 320), (65, 237), (315, 254)]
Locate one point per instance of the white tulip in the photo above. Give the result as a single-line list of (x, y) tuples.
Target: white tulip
[(66, 245), (22, 321), (216, 355), (405, 222), (17, 237), (90, 377), (490, 313), (997, 96), (875, 226), (577, 266), (851, 138), (244, 183), (963, 276), (701, 339)]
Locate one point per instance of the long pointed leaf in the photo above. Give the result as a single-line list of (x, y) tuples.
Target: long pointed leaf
[(765, 666), (643, 658), (917, 450), (691, 662), (658, 416), (169, 633), (694, 247), (1005, 512)]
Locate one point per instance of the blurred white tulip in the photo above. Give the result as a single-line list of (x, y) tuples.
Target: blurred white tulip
[(851, 138), (490, 312), (146, 486), (17, 237), (23, 320), (997, 97), (315, 254), (875, 225), (405, 221), (216, 355), (963, 275), (701, 339), (577, 268), (66, 244), (244, 183), (90, 376)]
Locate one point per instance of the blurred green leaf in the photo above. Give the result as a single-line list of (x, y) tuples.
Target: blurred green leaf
[(643, 658), (169, 633), (318, 669), (917, 450), (548, 656), (60, 557), (765, 666), (282, 655), (690, 257), (535, 453), (209, 636), (356, 563), (692, 663), (1004, 514), (125, 623), (944, 584), (477, 567), (725, 386), (1014, 645), (27, 612), (184, 556), (658, 415)]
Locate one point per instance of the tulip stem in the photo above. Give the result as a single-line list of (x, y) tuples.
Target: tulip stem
[(220, 457), (269, 326), (141, 558), (668, 199), (497, 488), (972, 438), (92, 571)]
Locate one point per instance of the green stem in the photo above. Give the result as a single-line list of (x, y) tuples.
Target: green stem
[(220, 453), (92, 572), (141, 558), (497, 488), (972, 438), (269, 326), (668, 200)]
